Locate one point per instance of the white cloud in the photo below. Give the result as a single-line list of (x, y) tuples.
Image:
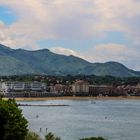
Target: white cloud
[(73, 20), (106, 52), (114, 52), (66, 51)]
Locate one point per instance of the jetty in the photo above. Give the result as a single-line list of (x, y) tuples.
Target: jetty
[(56, 105)]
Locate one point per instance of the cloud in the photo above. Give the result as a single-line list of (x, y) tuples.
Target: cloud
[(114, 52), (65, 51), (61, 50), (71, 19), (75, 20), (106, 52)]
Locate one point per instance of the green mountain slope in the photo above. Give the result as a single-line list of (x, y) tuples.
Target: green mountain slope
[(12, 66), (21, 61)]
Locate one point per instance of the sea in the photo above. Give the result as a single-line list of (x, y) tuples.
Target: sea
[(111, 119)]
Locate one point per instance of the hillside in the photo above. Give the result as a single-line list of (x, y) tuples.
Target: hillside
[(19, 61)]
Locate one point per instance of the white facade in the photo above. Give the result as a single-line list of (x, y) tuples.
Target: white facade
[(22, 86), (18, 86), (80, 87), (37, 86), (6, 87)]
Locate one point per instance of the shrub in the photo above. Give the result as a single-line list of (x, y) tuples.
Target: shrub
[(13, 126)]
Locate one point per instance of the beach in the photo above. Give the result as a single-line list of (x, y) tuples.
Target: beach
[(78, 98)]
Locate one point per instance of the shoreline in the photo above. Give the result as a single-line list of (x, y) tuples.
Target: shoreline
[(78, 98)]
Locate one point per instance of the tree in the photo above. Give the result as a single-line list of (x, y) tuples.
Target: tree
[(93, 138), (13, 126), (32, 136), (51, 136), (1, 95)]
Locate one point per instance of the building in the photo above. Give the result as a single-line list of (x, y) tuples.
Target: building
[(38, 86), (61, 89), (22, 87), (80, 87), (6, 87), (96, 90), (17, 86)]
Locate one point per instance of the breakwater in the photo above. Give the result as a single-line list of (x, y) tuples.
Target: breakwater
[(43, 105)]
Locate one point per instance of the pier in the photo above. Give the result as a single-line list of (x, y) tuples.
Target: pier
[(42, 105)]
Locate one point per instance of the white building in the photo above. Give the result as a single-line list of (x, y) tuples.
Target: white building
[(17, 86), (7, 87), (37, 86), (80, 86)]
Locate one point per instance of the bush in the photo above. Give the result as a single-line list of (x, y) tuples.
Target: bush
[(13, 126), (51, 136), (32, 136), (93, 138)]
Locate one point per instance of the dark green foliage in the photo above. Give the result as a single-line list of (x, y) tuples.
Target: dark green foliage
[(19, 62), (1, 95), (13, 126), (93, 138), (32, 136), (51, 136), (69, 79)]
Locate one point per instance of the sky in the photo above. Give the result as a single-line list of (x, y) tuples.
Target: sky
[(95, 30)]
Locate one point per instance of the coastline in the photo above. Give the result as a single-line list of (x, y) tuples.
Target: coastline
[(78, 98)]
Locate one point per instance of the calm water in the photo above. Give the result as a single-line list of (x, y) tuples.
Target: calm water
[(112, 119)]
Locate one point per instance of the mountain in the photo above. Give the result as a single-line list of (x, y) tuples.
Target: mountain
[(19, 62)]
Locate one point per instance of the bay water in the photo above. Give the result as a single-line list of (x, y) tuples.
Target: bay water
[(111, 119)]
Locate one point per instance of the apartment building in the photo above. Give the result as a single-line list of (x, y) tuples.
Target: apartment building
[(7, 87)]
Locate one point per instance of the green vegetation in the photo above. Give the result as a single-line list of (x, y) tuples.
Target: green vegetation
[(32, 136), (1, 95), (13, 126), (93, 138), (51, 136), (18, 62), (69, 79)]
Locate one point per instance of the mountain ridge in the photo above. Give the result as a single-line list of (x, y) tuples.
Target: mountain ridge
[(46, 62)]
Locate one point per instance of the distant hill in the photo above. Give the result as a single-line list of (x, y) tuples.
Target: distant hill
[(19, 62)]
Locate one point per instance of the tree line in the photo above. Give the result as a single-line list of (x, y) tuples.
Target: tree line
[(70, 79)]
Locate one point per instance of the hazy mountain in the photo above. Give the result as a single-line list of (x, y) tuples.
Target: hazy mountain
[(17, 62)]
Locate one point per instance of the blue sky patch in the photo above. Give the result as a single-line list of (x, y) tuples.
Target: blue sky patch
[(7, 15), (82, 45)]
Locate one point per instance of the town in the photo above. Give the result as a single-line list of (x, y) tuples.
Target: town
[(37, 87)]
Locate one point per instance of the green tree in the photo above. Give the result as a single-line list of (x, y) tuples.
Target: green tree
[(51, 136), (32, 136), (93, 138), (1, 95), (13, 126)]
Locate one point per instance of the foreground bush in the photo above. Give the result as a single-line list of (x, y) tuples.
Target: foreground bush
[(93, 138), (13, 126), (32, 136), (51, 136)]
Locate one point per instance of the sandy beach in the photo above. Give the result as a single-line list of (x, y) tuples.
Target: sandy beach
[(79, 98)]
